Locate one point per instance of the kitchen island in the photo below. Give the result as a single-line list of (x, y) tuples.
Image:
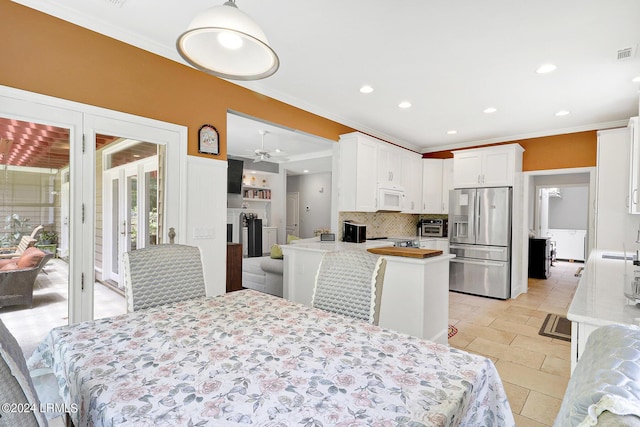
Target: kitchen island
[(599, 299), (415, 293)]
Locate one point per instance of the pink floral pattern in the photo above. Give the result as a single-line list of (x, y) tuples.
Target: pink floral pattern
[(250, 358)]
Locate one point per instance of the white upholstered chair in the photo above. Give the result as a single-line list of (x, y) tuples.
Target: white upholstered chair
[(162, 274), (350, 283), (16, 385)]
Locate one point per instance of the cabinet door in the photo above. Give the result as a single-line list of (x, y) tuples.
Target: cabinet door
[(467, 169), (634, 167), (412, 182), (447, 183), (389, 165), (366, 188), (269, 238), (432, 186), (497, 168)]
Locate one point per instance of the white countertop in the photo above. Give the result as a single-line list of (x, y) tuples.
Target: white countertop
[(319, 246), (599, 299)]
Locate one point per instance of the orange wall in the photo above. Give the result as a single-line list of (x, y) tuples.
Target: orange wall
[(571, 150), (46, 55)]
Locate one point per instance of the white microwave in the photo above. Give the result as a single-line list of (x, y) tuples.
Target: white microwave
[(390, 199)]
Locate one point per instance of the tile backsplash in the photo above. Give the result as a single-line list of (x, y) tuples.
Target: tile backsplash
[(385, 224)]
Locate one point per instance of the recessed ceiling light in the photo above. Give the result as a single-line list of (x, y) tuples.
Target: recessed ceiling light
[(404, 104), (278, 150), (452, 132), (562, 113), (636, 79), (490, 110), (546, 68), (306, 171), (366, 89)]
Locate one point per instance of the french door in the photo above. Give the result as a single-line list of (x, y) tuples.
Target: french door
[(82, 218)]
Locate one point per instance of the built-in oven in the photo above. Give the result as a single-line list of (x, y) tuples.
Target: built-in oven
[(433, 228)]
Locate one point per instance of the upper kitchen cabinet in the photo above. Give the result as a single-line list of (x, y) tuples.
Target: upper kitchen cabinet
[(432, 186), (389, 165), (411, 182), (357, 184), (634, 166), (437, 177), (487, 167)]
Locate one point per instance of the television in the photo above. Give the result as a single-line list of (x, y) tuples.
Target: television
[(234, 176)]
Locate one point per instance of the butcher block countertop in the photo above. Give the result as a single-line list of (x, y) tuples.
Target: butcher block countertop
[(406, 252)]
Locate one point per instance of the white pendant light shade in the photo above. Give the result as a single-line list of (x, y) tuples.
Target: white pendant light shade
[(227, 43)]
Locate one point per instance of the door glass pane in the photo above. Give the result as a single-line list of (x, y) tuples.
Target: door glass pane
[(128, 212), (34, 211)]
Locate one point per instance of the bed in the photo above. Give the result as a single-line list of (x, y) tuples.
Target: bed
[(252, 358)]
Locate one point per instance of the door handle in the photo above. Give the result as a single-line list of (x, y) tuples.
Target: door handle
[(483, 263)]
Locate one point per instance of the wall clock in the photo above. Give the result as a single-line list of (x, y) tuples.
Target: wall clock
[(208, 140)]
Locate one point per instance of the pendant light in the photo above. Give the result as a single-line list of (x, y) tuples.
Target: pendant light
[(227, 43)]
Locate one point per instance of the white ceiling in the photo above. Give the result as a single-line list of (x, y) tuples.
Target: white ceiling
[(450, 59)]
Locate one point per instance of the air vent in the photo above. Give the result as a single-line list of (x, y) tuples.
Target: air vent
[(117, 3), (625, 53)]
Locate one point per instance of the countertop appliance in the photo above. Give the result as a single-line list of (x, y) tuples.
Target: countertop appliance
[(403, 242), (433, 227), (354, 233), (480, 237)]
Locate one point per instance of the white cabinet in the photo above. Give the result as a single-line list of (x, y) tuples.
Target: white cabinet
[(269, 238), (432, 186), (412, 182), (389, 165), (441, 244), (357, 185), (437, 175), (487, 167), (615, 228), (634, 166), (447, 183)]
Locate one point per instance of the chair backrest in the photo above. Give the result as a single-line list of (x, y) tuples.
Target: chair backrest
[(349, 282), (35, 232), (16, 385), (161, 274), (25, 242)]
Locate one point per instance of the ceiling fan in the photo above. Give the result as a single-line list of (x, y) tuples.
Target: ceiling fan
[(260, 153)]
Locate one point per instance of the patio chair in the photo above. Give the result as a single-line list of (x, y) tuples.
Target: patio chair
[(350, 283), (162, 274), (15, 252), (16, 385), (18, 278)]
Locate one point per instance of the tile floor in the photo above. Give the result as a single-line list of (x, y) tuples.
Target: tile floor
[(534, 369)]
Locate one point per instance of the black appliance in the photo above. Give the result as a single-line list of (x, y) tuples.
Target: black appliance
[(354, 233), (234, 176)]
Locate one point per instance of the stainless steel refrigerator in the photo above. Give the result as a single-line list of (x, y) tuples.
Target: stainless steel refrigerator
[(480, 237)]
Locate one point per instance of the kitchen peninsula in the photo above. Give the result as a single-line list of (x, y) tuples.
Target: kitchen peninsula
[(415, 293), (600, 298)]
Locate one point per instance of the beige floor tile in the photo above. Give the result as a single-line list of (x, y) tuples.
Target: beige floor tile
[(517, 396), (535, 322), (527, 311), (533, 379), (556, 366), (521, 356), (541, 408), (518, 329), (491, 334), (543, 345), (461, 340), (526, 422)]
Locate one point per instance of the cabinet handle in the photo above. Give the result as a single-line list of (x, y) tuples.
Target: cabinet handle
[(634, 200), (479, 179)]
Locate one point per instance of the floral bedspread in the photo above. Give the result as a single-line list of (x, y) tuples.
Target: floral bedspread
[(247, 358)]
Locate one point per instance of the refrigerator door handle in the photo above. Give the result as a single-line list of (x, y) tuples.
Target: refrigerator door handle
[(479, 248), (485, 263)]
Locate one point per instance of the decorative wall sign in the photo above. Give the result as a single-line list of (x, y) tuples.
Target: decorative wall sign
[(208, 140)]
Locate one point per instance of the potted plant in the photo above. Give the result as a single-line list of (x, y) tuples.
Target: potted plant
[(48, 237)]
